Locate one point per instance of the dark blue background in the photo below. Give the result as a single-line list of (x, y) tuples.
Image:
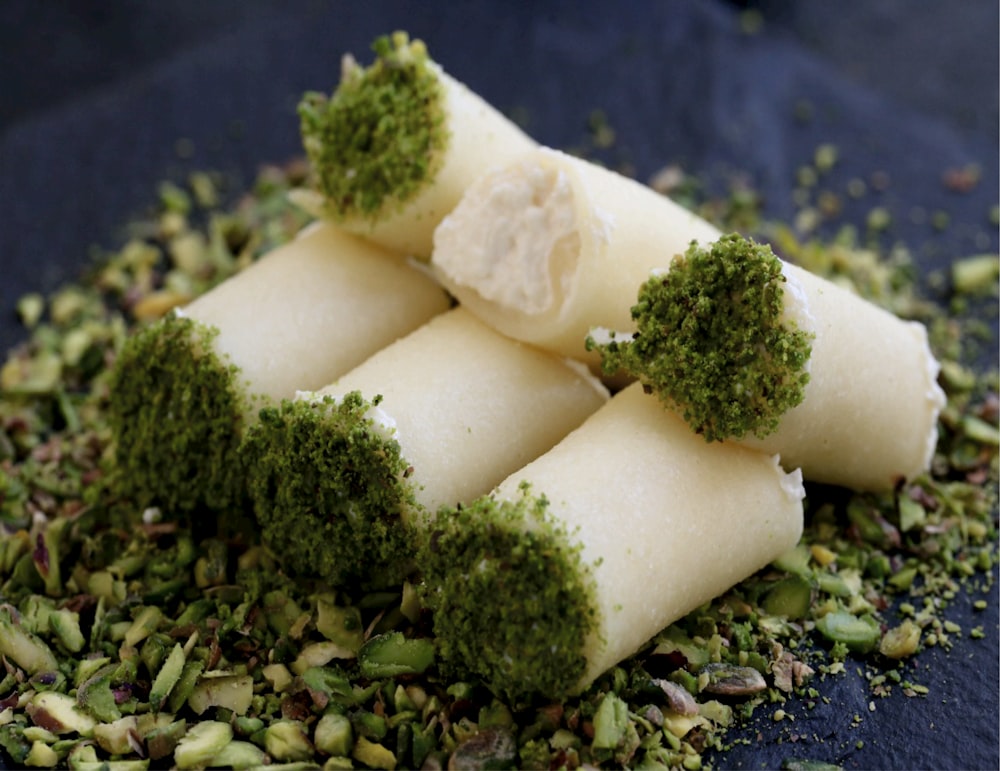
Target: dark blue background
[(95, 95)]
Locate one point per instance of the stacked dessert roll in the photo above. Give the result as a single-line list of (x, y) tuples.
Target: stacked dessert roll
[(381, 434)]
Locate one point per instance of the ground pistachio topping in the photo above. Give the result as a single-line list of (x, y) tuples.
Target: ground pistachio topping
[(175, 409), (508, 590), (380, 138), (713, 340), (329, 490), (126, 638)]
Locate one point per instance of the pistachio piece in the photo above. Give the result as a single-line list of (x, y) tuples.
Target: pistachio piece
[(489, 748), (334, 735), (730, 680), (679, 700), (286, 740), (202, 742), (900, 641), (859, 634), (391, 654)]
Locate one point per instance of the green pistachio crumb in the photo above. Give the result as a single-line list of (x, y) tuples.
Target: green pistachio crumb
[(380, 138), (390, 655), (176, 413), (825, 157), (511, 599), (712, 342), (976, 275), (900, 641), (328, 490), (858, 634), (30, 309)]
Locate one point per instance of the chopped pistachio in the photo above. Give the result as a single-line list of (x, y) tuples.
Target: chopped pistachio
[(487, 748), (390, 655), (239, 755), (202, 742), (319, 653), (901, 641), (233, 692), (373, 755), (226, 610), (859, 634), (30, 308), (333, 735), (25, 649), (610, 722), (544, 614), (183, 453), (354, 137), (730, 680), (976, 275), (167, 677), (286, 740), (341, 625), (59, 713), (790, 597)]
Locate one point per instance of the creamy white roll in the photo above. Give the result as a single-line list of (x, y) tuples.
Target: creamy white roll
[(752, 349), (868, 417), (426, 137), (642, 522), (314, 309), (185, 387), (469, 406), (549, 246)]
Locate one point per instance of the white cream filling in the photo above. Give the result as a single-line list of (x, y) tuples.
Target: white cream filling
[(791, 482), (603, 336), (796, 310), (512, 238), (936, 398)]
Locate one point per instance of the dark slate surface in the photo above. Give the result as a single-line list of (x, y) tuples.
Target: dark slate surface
[(94, 96)]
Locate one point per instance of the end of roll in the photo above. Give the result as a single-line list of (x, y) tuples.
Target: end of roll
[(379, 139), (176, 411), (935, 396), (513, 238), (328, 486)]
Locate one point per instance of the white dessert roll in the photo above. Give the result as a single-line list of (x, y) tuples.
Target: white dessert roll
[(313, 309), (469, 406), (550, 246), (868, 417), (443, 137), (185, 388), (480, 138), (667, 521), (661, 522)]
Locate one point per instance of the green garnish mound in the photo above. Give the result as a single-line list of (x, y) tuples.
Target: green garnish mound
[(329, 491), (712, 341), (511, 598), (176, 413), (380, 137)]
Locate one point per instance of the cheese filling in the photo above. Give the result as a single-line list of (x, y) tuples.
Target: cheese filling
[(513, 238)]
